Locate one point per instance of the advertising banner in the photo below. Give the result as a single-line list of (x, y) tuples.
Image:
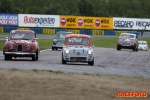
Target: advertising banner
[(131, 23), (86, 22), (32, 20), (104, 23), (8, 19)]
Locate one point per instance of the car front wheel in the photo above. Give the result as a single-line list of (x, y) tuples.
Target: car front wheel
[(63, 61), (6, 57), (118, 48), (33, 57), (91, 62)]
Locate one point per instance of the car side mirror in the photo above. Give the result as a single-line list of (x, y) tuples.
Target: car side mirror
[(93, 46)]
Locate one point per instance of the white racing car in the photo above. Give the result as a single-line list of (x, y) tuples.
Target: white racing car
[(143, 45)]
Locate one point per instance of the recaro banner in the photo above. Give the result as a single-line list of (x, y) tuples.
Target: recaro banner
[(131, 23), (86, 22), (32, 20), (8, 19)]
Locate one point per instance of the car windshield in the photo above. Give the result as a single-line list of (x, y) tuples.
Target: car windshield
[(128, 36), (78, 40), (142, 43), (26, 36), (61, 35)]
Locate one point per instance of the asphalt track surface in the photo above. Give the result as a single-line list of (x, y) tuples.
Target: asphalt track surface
[(107, 61)]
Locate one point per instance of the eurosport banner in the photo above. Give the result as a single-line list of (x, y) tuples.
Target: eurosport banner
[(32, 20), (131, 23), (86, 22), (8, 19)]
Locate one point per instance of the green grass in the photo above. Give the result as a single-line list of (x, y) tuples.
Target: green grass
[(45, 43), (97, 42)]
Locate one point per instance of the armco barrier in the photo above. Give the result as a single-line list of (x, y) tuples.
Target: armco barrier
[(1, 29)]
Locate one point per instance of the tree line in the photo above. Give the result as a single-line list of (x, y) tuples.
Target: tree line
[(97, 8)]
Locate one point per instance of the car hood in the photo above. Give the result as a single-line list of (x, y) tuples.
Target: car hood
[(126, 40), (60, 39), (79, 48)]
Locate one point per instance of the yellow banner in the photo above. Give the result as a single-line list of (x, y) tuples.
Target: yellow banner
[(86, 22)]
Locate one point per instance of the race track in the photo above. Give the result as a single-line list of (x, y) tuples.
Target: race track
[(107, 61)]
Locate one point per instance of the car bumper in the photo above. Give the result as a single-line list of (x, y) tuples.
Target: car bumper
[(19, 53), (78, 59), (57, 46), (143, 49)]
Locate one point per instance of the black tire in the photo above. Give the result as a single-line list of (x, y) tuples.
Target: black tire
[(91, 62), (33, 57), (118, 48), (52, 48), (37, 56), (6, 57), (134, 48), (10, 57), (63, 61)]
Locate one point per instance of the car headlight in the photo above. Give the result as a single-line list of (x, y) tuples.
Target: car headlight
[(28, 46), (54, 40), (11, 46), (67, 51), (89, 52)]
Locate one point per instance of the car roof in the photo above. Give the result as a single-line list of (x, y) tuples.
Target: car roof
[(142, 41), (129, 34), (77, 35), (25, 31)]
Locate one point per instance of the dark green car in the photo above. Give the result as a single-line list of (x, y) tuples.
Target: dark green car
[(59, 39)]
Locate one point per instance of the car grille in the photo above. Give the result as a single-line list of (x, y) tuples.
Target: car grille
[(126, 44), (59, 43), (78, 58), (19, 48)]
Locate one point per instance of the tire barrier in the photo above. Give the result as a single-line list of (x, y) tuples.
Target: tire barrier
[(109, 33), (86, 31), (48, 31), (74, 31), (8, 29), (57, 30), (1, 30), (98, 32), (52, 31), (137, 33)]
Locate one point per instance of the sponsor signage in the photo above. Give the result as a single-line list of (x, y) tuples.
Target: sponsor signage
[(86, 22), (31, 20), (8, 19), (131, 23), (104, 23)]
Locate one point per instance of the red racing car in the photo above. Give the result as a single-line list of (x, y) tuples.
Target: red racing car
[(21, 43)]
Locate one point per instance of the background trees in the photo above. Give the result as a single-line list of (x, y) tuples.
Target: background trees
[(101, 8)]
